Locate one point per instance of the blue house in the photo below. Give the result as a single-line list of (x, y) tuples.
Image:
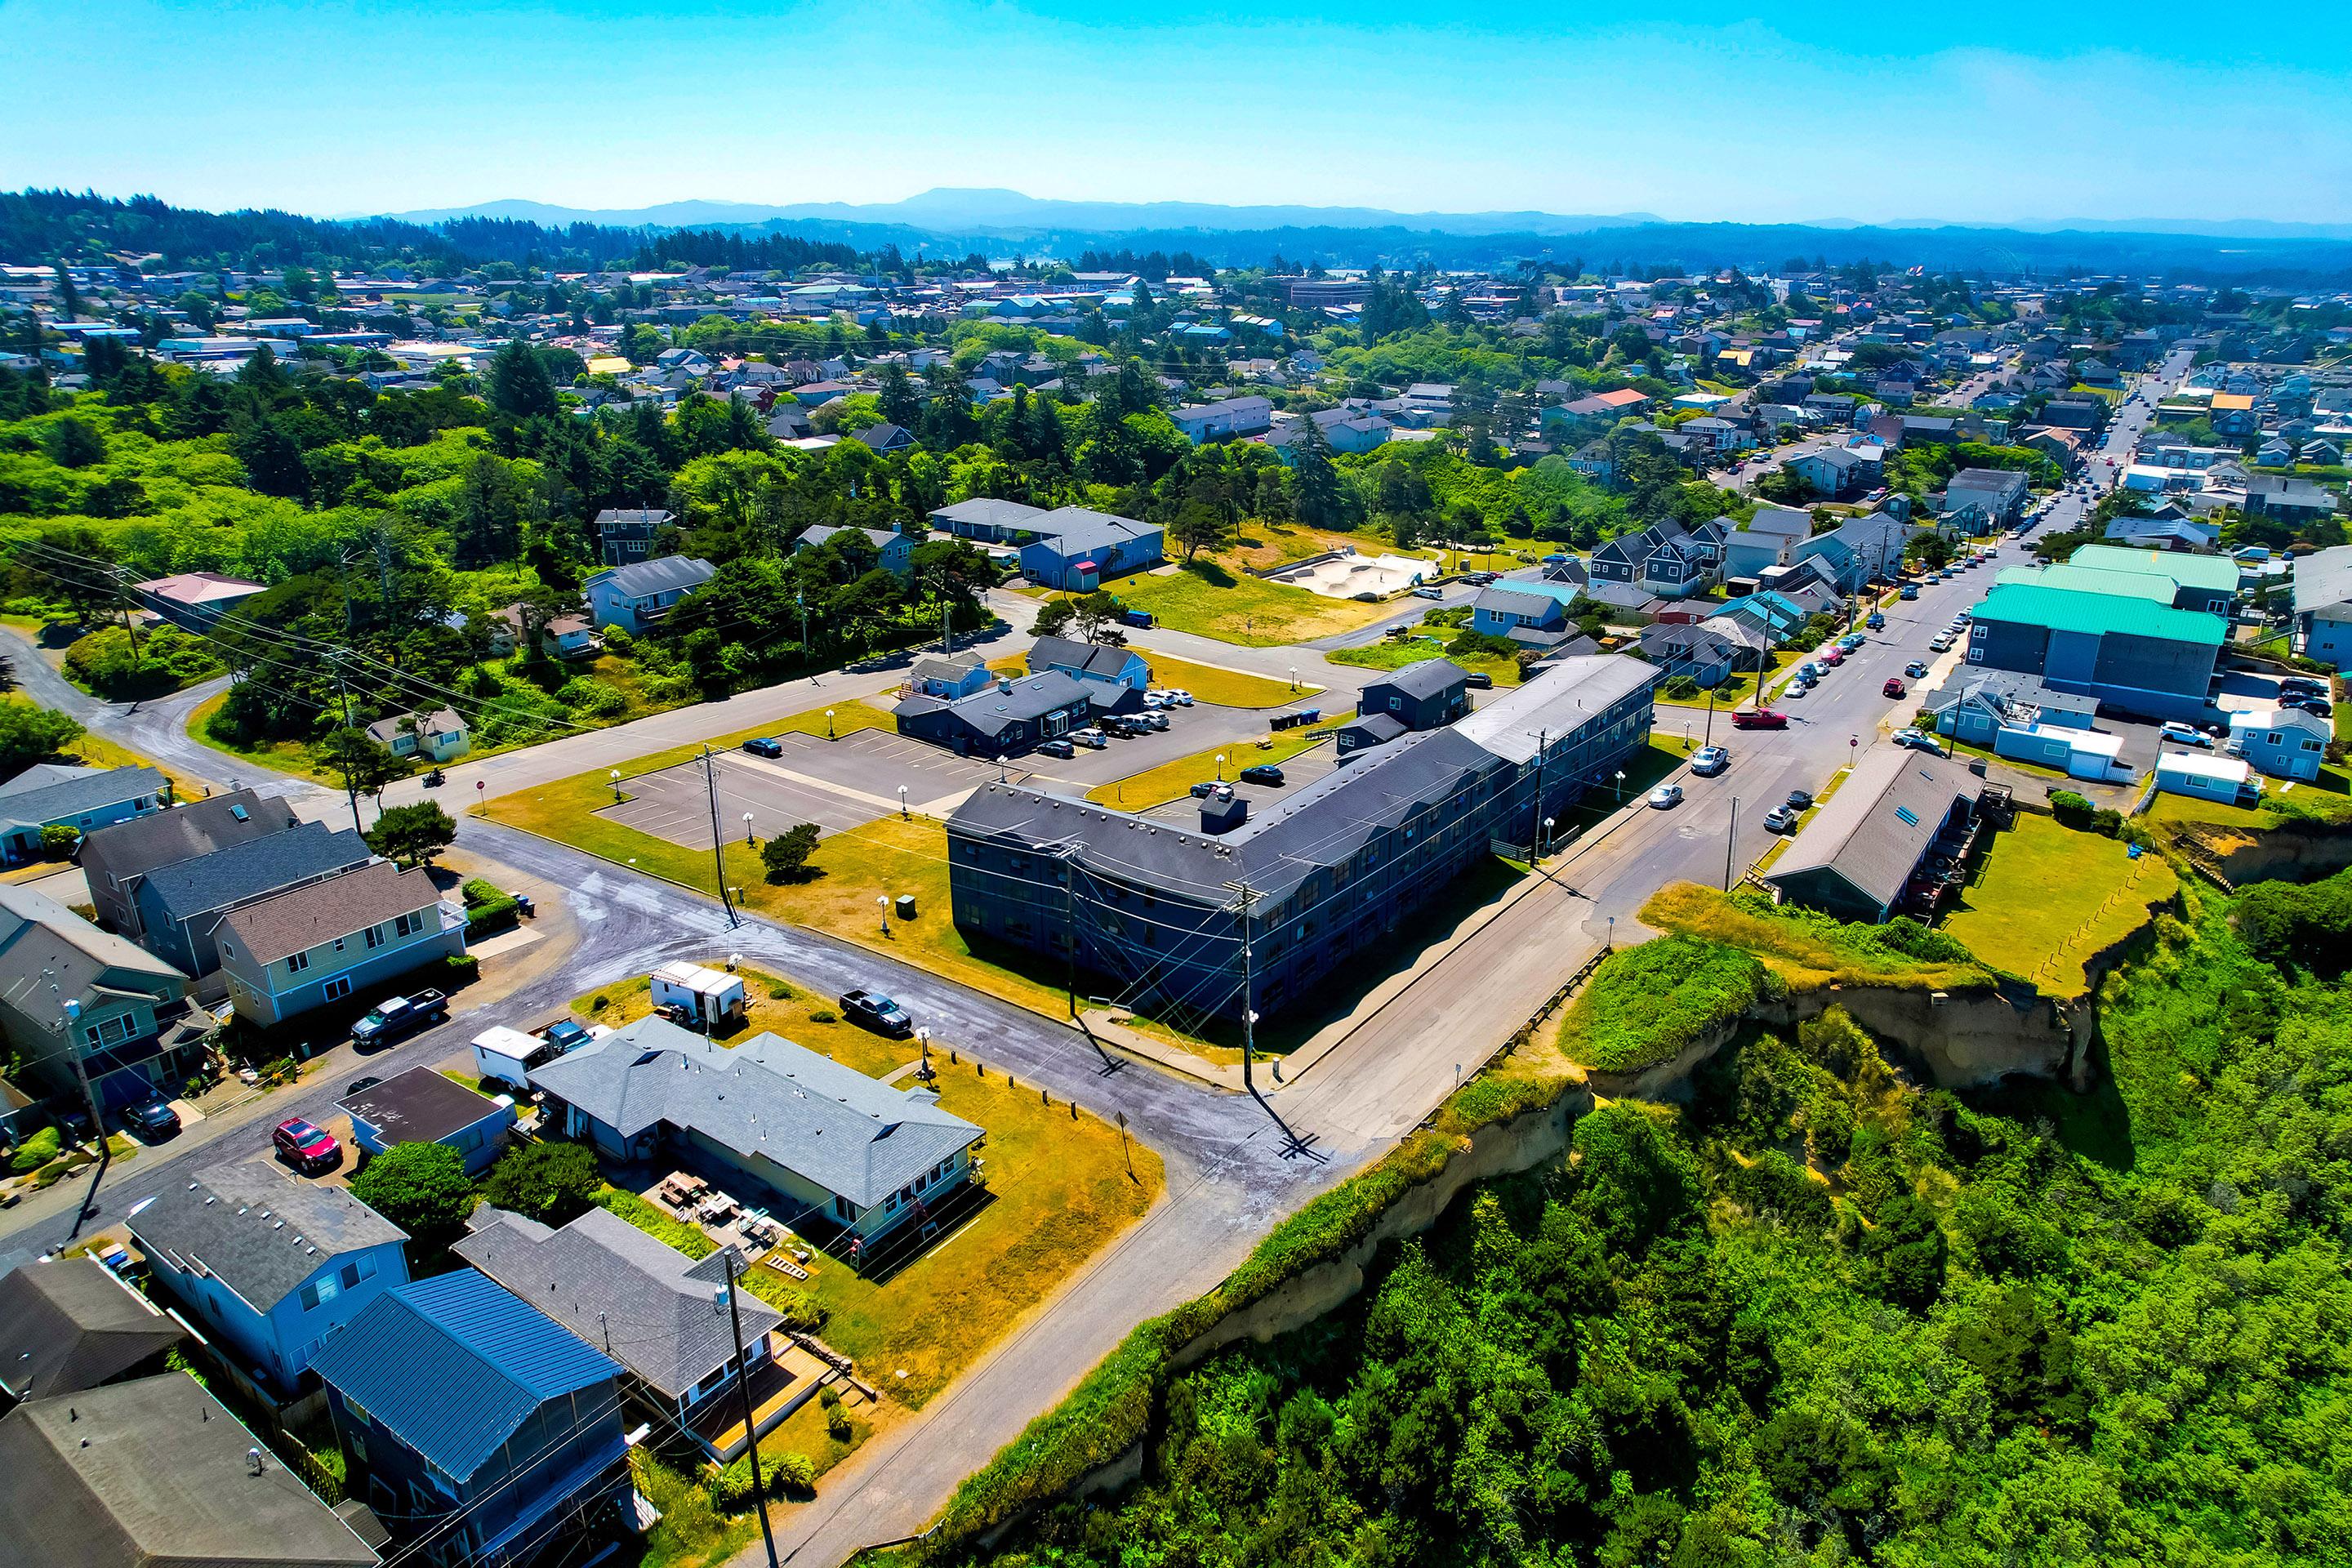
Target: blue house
[(1113, 672), (895, 553), (640, 593), (269, 1264), (84, 802), (1080, 550), (483, 1428), (1505, 608), (2288, 744)]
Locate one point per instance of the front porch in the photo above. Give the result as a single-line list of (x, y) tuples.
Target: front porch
[(780, 1385)]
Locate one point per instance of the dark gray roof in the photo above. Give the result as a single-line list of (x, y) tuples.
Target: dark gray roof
[(639, 1301), (767, 1096), (988, 512), (1068, 653), (72, 797), (70, 1323), (1376, 729), (991, 707), (301, 919), (1502, 599), (257, 867), (1077, 529), (41, 775), (1873, 831), (43, 943), (660, 574), (153, 1473), (419, 1106), (1430, 677), (256, 1229)]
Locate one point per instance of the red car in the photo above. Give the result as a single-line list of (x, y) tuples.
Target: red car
[(1893, 688), (1760, 719), (309, 1148)]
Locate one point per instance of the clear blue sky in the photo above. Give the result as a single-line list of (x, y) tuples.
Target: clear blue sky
[(1992, 111)]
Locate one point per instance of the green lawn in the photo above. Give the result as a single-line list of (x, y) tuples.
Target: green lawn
[(1224, 688), (1396, 654), (1735, 689), (2048, 897), (1210, 601)]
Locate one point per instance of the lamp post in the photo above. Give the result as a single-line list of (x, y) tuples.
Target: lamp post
[(1221, 767), (747, 829), (616, 787), (902, 804), (828, 726), (1544, 846), (883, 903), (1621, 786), (1294, 678)]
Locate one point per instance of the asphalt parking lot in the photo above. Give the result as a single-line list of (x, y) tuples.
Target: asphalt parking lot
[(837, 784)]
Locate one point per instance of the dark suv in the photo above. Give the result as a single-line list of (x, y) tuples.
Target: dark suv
[(152, 1119)]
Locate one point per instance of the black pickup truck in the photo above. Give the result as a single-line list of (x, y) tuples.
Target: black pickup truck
[(397, 1016)]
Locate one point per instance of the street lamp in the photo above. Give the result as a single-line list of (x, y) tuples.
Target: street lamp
[(747, 827), (1547, 836), (883, 903), (616, 787), (1621, 786), (1294, 678), (828, 726), (1221, 767), (902, 804)]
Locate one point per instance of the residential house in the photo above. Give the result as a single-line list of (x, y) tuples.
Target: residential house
[(1005, 720), (1364, 848), (1835, 472), (1224, 421), (1707, 652), (68, 1324), (422, 1106), (1767, 539), (481, 1429), (178, 909), (1534, 613), (1121, 671), (639, 595), (2285, 744), (86, 804), (1421, 695), (2227, 780), (885, 440), (269, 1263), (1994, 701), (1860, 855), (1997, 493), (2291, 500), (71, 993), (1661, 559), (948, 676), (1721, 435), (1080, 550), (565, 636), (115, 860), (439, 736), (846, 1157), (987, 520), (627, 534), (194, 601), (295, 950), (2180, 534), (157, 1473), (2193, 582), (893, 552), (1769, 614), (676, 1346), (2323, 606)]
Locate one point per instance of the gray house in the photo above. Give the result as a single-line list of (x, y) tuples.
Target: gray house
[(2287, 743), (1003, 719), (1155, 912), (1423, 696), (69, 990), (625, 534), (846, 1157), (115, 860), (893, 552), (85, 803), (180, 907), (1858, 857)]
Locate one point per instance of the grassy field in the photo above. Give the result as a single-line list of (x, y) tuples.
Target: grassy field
[(1808, 950), (2169, 807), (1061, 1182), (1174, 781), (1735, 689), (1224, 688), (1211, 600), (281, 756), (1267, 544), (2049, 897), (1402, 651)]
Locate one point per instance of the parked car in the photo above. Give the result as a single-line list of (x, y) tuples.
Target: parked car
[(1780, 819), (152, 1119), (1478, 679), (308, 1149), (1428, 594), (1665, 797), (875, 1012), (1941, 642), (1893, 688), (1909, 591), (1834, 658), (1091, 738), (1800, 800), (397, 1016), (2186, 734), (1212, 789), (1709, 760), (1153, 719), (1263, 774), (566, 1034), (764, 746), (1877, 621), (1153, 702), (1917, 740), (1480, 579), (1178, 696), (1797, 688), (1917, 670), (1809, 670), (1759, 718), (2319, 705), (1851, 641), (1056, 747)]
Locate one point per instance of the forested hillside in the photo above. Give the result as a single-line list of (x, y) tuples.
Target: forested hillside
[(2111, 1331)]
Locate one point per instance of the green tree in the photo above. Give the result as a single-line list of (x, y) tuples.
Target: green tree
[(786, 855), (553, 1183), (73, 443), (366, 763), (412, 836), (420, 1188), (29, 734), (521, 386)]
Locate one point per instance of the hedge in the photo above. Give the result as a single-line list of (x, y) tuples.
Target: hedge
[(656, 1224), (488, 909), (1647, 1003)]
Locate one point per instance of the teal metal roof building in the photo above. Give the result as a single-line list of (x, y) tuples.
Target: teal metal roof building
[(2137, 656)]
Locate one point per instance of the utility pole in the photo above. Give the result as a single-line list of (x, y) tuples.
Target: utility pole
[(1249, 985), (718, 839), (1730, 836), (351, 788), (70, 1015), (750, 1419), (1543, 739)]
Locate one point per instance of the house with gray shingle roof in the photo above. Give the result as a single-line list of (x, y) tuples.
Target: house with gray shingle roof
[(640, 593), (115, 860), (86, 804), (269, 1264), (72, 1323), (179, 906), (70, 989), (644, 1303), (838, 1149), (311, 945)]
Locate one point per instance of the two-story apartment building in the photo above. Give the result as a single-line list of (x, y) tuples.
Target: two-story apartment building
[(115, 860), (640, 593), (1662, 559), (479, 1429), (295, 950), (71, 991), (269, 1263)]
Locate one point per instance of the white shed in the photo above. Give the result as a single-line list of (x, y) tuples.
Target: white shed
[(708, 995), (2226, 779)]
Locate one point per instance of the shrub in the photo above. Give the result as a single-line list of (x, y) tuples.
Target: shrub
[(795, 1306), (836, 1425), (420, 1188), (488, 908), (1646, 1003), (36, 1150), (553, 1183), (780, 991), (786, 1475), (2071, 809), (57, 841), (656, 1224), (786, 855), (824, 1015), (594, 699), (167, 660), (460, 968)]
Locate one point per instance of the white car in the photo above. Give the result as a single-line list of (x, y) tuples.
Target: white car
[(1941, 642), (2186, 735), (1178, 696), (1665, 797), (1090, 737)]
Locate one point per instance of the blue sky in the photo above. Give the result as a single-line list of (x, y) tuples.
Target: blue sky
[(1984, 112)]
